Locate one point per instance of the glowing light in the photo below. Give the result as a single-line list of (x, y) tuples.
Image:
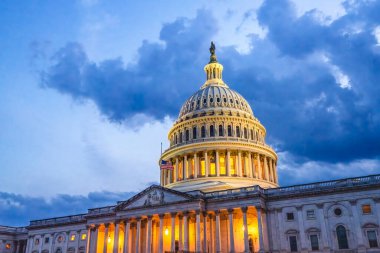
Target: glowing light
[(109, 239), (166, 231), (243, 228)]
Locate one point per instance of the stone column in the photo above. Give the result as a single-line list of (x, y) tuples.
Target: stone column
[(66, 242), (176, 171), (356, 222), (324, 235), (17, 246), (261, 230), (266, 170), (28, 243), (258, 169), (245, 222), (185, 167), (126, 236), (217, 166), (280, 231), (211, 233), (196, 165), (149, 235), (42, 241), (78, 240), (231, 228), (88, 239), (186, 231), (138, 234), (161, 235), (180, 228), (250, 165), (198, 232), (239, 170), (218, 247), (95, 239), (228, 163), (105, 237), (301, 229), (377, 208), (116, 237), (207, 165), (204, 231), (172, 236)]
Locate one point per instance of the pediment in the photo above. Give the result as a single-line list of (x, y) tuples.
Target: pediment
[(153, 196)]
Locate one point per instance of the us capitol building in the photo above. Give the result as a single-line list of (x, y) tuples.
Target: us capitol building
[(218, 192)]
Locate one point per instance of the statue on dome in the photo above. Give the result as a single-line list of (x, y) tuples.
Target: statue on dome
[(212, 52)]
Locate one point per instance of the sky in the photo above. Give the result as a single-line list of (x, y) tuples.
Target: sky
[(90, 88)]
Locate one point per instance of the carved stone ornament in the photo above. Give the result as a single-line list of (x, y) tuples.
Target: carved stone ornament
[(156, 197)]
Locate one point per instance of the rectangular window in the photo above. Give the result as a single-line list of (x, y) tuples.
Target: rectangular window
[(222, 165), (37, 241), (84, 236), (72, 238), (46, 239), (290, 216), (212, 166), (314, 242), (310, 214), (372, 239), (203, 167), (293, 243), (366, 209)]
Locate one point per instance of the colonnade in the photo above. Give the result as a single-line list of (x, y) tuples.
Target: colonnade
[(227, 230), (229, 163)]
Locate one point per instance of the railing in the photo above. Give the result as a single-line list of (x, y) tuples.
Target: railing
[(234, 192), (101, 210), (320, 186), (7, 229), (59, 220)]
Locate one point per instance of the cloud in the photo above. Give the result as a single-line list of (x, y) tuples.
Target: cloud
[(18, 210), (313, 84)]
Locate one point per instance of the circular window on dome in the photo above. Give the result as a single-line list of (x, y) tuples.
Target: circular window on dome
[(211, 100), (225, 100), (204, 101), (218, 100), (338, 211)]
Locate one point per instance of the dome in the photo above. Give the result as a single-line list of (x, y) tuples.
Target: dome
[(215, 98)]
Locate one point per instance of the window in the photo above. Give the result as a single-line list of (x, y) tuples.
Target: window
[(338, 211), (47, 239), (187, 135), (366, 209), (290, 216), (245, 133), (293, 243), (310, 214), (212, 131), (203, 132), (222, 164), (221, 130), (251, 134), (238, 131), (180, 137), (176, 139), (8, 246), (194, 132), (84, 236), (229, 130), (37, 241), (372, 239), (60, 238), (314, 242), (72, 238), (341, 235)]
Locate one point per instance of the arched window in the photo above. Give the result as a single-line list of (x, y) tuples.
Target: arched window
[(180, 137), (238, 131), (187, 135), (341, 235), (245, 133), (221, 130), (212, 131), (251, 134), (203, 132), (229, 130), (194, 132), (176, 139)]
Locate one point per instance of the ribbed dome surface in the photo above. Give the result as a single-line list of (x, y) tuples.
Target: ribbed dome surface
[(215, 97)]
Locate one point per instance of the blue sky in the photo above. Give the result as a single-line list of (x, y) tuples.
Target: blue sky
[(89, 90)]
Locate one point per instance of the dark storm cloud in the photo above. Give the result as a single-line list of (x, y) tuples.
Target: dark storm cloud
[(18, 210), (292, 78)]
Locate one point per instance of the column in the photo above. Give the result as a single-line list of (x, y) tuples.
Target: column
[(28, 243), (185, 231), (207, 170), (78, 240), (18, 247), (198, 232), (249, 165), (161, 235), (204, 231), (246, 243), (126, 236), (266, 168), (239, 170), (196, 165), (217, 163), (149, 235), (185, 168), (356, 221), (269, 164), (161, 178), (259, 169), (42, 241), (217, 232), (280, 230), (322, 221), (180, 228), (138, 232), (261, 230), (88, 237), (67, 242), (377, 209), (116, 237), (301, 229), (275, 172), (228, 163), (175, 171), (211, 234), (231, 222), (172, 236), (105, 237), (94, 241)]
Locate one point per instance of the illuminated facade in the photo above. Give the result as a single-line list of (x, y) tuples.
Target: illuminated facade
[(219, 193)]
